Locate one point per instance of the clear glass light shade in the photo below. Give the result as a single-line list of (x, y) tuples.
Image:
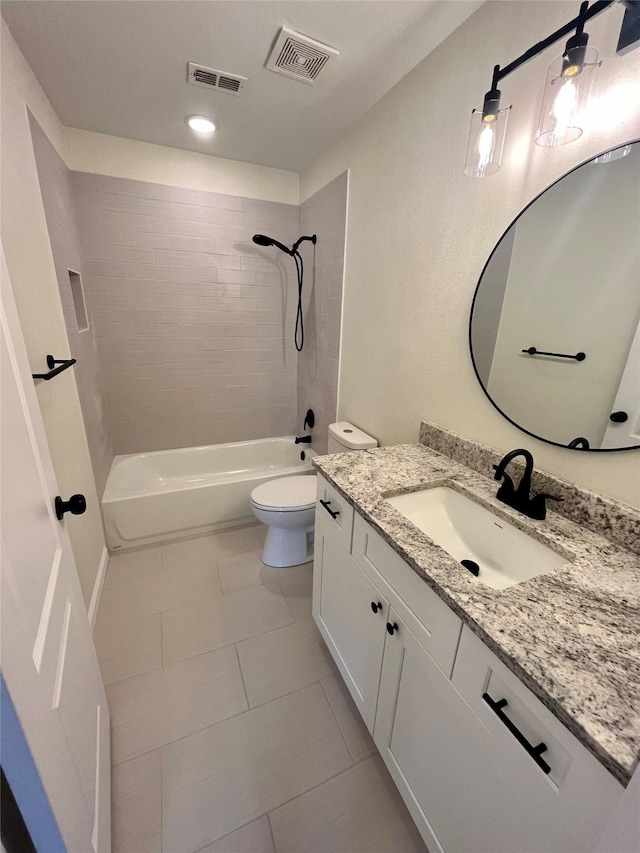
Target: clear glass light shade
[(564, 101), (486, 141)]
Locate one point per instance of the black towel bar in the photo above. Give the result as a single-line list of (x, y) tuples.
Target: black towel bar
[(53, 370), (579, 356)]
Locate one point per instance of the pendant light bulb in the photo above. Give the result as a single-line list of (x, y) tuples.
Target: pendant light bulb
[(486, 136), (566, 94)]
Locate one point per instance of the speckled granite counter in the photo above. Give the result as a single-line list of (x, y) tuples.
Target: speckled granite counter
[(572, 636)]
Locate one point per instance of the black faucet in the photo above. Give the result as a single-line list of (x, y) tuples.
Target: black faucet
[(520, 498), (303, 439)]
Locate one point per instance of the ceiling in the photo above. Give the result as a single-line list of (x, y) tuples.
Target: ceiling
[(119, 67)]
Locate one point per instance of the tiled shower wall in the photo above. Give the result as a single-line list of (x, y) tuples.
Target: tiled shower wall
[(57, 197), (317, 375), (194, 322)]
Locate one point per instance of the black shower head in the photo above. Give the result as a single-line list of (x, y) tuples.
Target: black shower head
[(263, 240)]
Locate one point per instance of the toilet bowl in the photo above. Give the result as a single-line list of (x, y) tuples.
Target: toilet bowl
[(287, 505)]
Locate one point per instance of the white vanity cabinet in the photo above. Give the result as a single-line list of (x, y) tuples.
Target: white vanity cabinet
[(463, 764)]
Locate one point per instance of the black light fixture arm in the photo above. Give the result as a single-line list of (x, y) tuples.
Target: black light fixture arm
[(574, 25)]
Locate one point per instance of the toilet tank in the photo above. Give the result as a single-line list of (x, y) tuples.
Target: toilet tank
[(344, 436)]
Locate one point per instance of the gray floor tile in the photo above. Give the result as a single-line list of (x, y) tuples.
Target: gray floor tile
[(188, 551), (283, 661), (218, 780), (167, 589), (354, 731), (137, 808), (297, 585), (199, 628), (169, 703), (128, 647), (141, 562), (359, 811), (255, 837)]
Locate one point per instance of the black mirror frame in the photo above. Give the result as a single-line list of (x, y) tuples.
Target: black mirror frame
[(473, 305)]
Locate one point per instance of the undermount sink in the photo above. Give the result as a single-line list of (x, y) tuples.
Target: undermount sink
[(499, 554)]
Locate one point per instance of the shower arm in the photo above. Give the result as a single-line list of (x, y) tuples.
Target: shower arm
[(294, 248)]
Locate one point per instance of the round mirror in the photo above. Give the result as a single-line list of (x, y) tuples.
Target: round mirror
[(554, 329)]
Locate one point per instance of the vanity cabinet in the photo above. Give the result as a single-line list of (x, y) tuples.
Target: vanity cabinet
[(457, 730)]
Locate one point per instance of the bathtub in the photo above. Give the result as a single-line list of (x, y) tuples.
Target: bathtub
[(167, 494)]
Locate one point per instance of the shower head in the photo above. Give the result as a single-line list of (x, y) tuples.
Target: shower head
[(263, 240)]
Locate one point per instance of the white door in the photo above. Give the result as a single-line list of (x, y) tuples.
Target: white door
[(48, 657), (626, 433)]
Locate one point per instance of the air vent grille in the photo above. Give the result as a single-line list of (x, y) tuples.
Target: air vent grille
[(199, 75), (298, 56)]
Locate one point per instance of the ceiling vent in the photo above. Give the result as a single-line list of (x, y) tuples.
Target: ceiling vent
[(199, 75), (298, 56)]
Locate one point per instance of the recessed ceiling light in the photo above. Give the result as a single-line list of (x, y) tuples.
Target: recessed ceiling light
[(201, 124)]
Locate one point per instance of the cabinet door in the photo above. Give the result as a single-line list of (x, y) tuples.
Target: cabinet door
[(351, 615), (439, 755), (466, 793)]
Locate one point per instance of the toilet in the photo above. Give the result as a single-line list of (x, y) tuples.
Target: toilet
[(287, 505)]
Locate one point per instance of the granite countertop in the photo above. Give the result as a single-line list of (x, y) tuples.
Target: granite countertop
[(571, 635)]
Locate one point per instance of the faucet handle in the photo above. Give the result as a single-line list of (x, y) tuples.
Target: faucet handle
[(537, 506), (545, 496)]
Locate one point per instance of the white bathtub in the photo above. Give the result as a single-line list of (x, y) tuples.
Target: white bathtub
[(168, 494)]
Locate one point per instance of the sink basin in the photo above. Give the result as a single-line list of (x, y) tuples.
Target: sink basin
[(499, 554)]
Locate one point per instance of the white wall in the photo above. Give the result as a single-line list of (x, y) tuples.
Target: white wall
[(141, 161), (28, 251), (419, 231)]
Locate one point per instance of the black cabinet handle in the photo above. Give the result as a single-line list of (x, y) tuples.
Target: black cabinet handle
[(534, 751), (375, 607), (53, 370), (332, 513), (76, 505), (392, 628), (619, 417)]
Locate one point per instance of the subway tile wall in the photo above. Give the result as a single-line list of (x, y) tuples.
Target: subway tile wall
[(56, 187), (317, 370), (194, 322)]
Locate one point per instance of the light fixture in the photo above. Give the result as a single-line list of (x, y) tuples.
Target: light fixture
[(201, 124), (567, 89), (486, 135), (566, 92)]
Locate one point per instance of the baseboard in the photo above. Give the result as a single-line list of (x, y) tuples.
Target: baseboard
[(97, 587)]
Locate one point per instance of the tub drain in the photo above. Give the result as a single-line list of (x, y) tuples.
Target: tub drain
[(472, 566)]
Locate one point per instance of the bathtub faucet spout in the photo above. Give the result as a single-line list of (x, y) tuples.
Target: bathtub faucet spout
[(303, 439)]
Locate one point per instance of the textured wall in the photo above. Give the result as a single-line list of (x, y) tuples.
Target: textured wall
[(419, 230), (102, 154), (194, 321), (325, 215), (57, 198)]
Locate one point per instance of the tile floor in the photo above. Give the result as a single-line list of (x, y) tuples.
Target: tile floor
[(232, 731)]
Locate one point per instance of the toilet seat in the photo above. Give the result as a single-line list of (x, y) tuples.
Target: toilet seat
[(287, 494)]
